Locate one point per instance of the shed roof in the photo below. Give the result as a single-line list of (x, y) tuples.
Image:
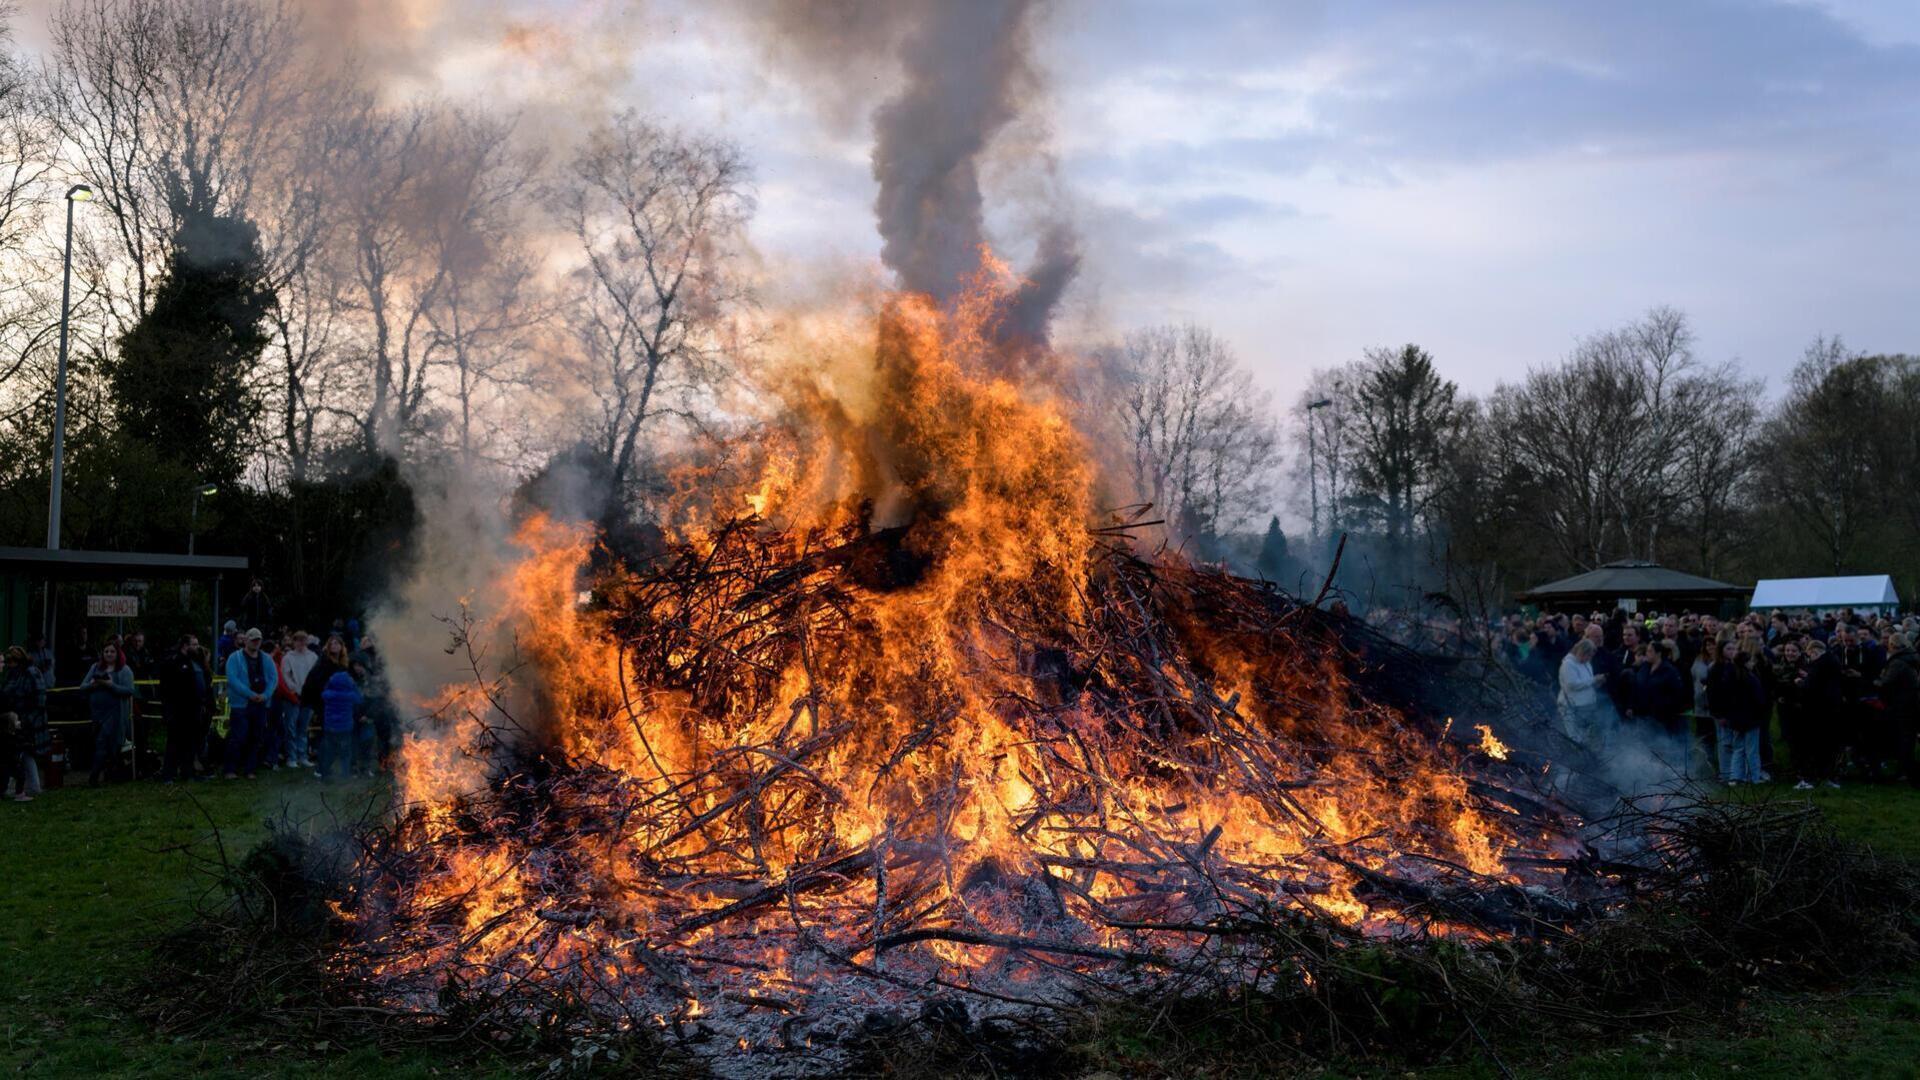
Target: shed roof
[(72, 565), (1867, 590)]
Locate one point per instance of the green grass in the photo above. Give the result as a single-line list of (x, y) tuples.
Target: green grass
[(1871, 1033), (91, 875)]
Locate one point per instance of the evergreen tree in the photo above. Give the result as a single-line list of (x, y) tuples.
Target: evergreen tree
[(1407, 417), (1274, 563), (183, 381)]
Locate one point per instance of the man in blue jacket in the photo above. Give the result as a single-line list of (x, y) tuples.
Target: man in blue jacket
[(251, 679)]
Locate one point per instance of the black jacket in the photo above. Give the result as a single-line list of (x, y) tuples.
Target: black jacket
[(1620, 687), (256, 612), (1823, 688), (1900, 685), (180, 692), (1860, 669), (1658, 693), (316, 684), (1788, 686), (1736, 697)]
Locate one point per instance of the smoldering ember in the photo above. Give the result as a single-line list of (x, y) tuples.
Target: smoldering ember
[(821, 538)]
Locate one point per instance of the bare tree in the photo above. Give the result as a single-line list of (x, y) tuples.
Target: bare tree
[(1610, 438), (485, 306), (1719, 464), (166, 107), (26, 152), (1323, 445), (658, 216), (1570, 429), (1202, 441), (1824, 465), (300, 202), (393, 277)]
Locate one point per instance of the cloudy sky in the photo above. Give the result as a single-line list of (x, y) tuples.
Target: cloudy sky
[(1489, 178)]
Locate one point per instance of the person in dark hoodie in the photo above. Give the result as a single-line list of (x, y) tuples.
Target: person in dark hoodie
[(339, 701), (370, 668), (1660, 698), (1823, 705), (1625, 658), (366, 744), (333, 658), (1900, 691), (186, 696), (1739, 703), (1786, 683)]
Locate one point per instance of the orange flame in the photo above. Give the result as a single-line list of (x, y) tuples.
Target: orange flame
[(895, 690)]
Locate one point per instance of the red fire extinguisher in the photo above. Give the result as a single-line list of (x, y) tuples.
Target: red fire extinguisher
[(56, 771)]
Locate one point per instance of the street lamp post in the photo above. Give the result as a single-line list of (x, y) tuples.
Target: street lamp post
[(193, 530), (1313, 474), (78, 193), (193, 516)]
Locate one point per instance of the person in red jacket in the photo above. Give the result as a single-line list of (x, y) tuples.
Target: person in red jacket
[(296, 663)]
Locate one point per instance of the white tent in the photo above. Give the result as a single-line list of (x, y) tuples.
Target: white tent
[(1871, 591)]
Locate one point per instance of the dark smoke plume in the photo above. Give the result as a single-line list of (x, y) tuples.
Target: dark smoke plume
[(967, 73)]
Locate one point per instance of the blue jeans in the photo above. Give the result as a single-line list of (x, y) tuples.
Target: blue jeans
[(336, 755), (244, 729), (108, 735), (293, 726), (366, 749), (268, 733), (1741, 752)]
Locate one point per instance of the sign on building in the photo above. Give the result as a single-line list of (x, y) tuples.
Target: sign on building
[(113, 607)]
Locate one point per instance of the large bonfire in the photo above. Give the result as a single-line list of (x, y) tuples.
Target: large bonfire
[(912, 714)]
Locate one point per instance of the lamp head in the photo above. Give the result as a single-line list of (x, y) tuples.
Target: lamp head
[(79, 193)]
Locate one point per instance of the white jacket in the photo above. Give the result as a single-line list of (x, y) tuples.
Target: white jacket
[(1577, 682)]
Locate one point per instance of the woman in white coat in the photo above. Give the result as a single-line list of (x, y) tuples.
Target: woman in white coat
[(1580, 698)]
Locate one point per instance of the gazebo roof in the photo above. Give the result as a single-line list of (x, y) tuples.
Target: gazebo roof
[(1630, 578)]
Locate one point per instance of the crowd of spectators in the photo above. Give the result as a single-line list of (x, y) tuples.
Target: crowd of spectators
[(1844, 688), (280, 685)]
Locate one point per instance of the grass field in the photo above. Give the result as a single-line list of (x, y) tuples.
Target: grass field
[(91, 874)]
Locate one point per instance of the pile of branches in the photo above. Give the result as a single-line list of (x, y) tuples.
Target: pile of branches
[(258, 956), (1729, 900), (648, 907)]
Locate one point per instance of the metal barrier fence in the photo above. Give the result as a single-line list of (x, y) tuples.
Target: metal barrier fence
[(71, 699)]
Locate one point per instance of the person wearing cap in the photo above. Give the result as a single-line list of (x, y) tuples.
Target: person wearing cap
[(228, 640), (252, 678)]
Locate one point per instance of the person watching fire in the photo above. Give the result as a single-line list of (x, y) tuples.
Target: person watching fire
[(252, 678)]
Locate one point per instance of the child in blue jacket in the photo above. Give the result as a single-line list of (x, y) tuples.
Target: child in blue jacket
[(340, 700)]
